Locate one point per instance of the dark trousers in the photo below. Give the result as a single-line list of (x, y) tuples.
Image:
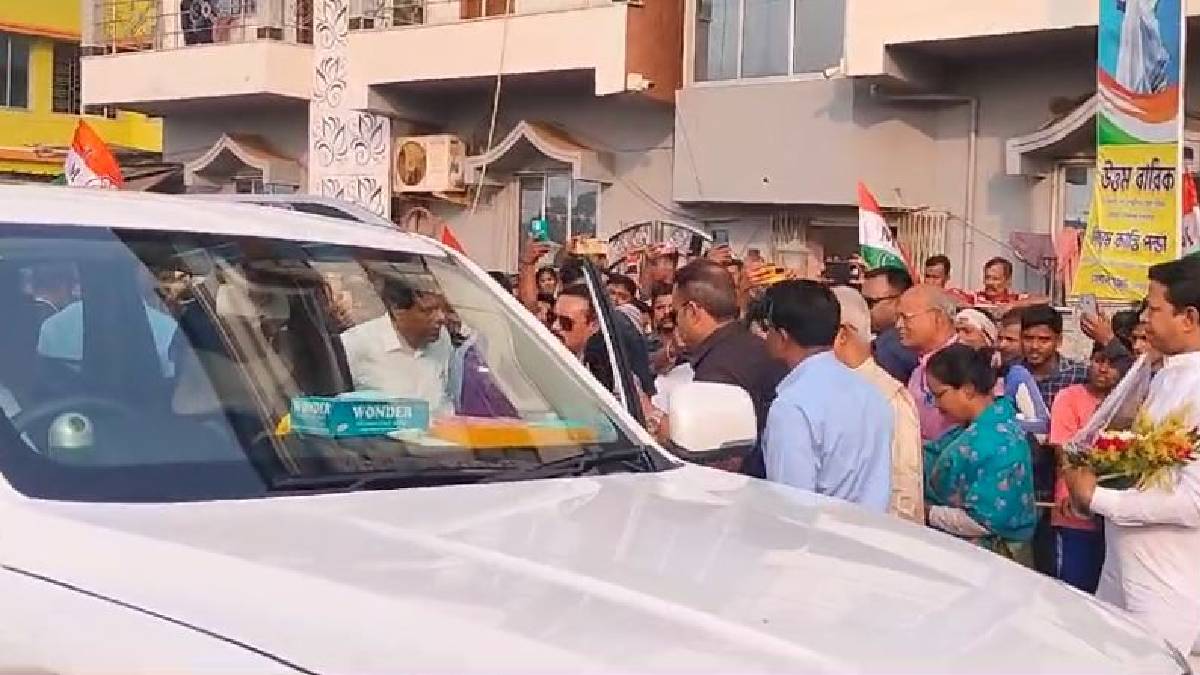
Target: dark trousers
[(1045, 466), (1079, 557)]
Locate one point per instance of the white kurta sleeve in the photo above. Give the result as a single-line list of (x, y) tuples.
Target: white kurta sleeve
[(1132, 508)]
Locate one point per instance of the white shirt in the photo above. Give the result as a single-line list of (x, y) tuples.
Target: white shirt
[(1152, 557), (380, 360)]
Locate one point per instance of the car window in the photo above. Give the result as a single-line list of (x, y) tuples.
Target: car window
[(185, 366)]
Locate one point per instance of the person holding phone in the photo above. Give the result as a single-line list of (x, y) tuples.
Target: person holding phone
[(1100, 329)]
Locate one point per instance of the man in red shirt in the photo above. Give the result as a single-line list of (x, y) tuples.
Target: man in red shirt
[(997, 294)]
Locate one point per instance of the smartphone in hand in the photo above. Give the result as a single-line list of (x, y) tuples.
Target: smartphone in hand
[(1089, 305)]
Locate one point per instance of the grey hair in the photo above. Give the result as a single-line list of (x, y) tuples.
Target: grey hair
[(942, 302), (854, 312)]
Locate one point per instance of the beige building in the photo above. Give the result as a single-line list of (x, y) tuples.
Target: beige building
[(393, 104), (972, 121)]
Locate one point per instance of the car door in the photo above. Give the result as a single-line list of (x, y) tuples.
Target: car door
[(625, 385)]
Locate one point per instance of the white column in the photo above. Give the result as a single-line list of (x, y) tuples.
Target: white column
[(349, 150)]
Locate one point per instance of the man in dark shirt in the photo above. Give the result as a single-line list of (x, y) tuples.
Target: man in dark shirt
[(720, 348), (633, 343), (882, 290)]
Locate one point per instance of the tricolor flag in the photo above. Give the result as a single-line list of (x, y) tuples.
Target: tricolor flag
[(875, 241), (89, 161), (1190, 224)]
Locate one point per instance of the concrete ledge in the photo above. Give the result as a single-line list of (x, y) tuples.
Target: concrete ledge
[(153, 81)]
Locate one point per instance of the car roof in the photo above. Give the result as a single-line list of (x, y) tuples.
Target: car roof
[(67, 206), (296, 201)]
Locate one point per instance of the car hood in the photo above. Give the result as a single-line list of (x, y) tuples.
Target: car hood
[(689, 569)]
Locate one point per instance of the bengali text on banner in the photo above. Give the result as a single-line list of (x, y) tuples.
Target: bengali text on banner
[(1135, 220), (1136, 211)]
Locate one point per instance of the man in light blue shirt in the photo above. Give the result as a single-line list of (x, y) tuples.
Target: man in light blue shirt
[(829, 430), (61, 335)]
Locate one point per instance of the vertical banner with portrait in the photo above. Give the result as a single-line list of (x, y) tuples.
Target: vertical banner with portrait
[(1136, 212)]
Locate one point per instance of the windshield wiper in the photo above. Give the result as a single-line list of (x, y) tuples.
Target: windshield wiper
[(381, 480), (457, 475), (576, 465)]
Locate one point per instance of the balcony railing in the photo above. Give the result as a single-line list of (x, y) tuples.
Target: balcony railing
[(379, 14), (147, 25)]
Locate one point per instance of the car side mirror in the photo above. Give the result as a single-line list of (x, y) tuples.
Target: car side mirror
[(711, 421)]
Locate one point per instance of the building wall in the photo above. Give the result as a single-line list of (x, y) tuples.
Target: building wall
[(57, 19), (283, 127), (636, 134), (813, 140), (873, 25), (1015, 97), (583, 39), (38, 125), (655, 46), (799, 142)]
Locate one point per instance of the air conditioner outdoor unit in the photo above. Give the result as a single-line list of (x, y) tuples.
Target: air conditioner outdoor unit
[(428, 164)]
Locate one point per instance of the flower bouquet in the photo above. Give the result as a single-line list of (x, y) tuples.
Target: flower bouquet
[(1143, 457)]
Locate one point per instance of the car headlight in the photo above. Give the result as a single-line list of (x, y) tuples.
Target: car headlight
[(1180, 659)]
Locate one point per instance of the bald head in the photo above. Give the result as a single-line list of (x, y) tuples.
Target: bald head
[(926, 318), (934, 298)]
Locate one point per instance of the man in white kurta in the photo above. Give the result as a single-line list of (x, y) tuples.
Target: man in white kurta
[(1152, 560), (405, 352)]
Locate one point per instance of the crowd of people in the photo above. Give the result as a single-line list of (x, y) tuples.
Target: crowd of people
[(942, 407)]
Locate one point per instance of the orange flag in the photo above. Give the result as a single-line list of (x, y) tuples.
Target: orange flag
[(448, 238), (89, 161)]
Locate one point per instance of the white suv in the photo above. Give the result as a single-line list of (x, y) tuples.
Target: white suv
[(178, 493)]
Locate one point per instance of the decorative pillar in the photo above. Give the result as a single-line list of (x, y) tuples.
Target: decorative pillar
[(349, 150)]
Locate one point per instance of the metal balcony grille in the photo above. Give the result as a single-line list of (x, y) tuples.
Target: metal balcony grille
[(921, 233), (380, 14), (145, 25)]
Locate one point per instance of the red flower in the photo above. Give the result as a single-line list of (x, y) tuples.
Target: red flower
[(1110, 443)]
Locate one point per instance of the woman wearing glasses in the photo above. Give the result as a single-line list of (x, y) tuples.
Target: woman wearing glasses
[(978, 475)]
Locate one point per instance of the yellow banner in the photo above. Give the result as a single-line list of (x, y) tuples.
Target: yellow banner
[(1134, 220)]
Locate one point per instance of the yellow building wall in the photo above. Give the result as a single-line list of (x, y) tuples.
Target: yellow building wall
[(53, 18), (38, 125)]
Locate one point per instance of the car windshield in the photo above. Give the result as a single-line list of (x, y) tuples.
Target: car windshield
[(167, 366)]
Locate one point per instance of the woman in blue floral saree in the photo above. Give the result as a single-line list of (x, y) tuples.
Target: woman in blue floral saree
[(979, 475)]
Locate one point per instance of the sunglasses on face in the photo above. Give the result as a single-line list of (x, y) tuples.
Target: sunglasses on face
[(564, 322), (871, 302)]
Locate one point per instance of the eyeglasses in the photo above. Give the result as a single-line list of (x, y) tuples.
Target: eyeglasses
[(871, 302), (911, 316), (932, 397), (564, 322)]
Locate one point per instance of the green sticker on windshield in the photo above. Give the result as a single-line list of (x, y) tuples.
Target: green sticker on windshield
[(357, 415)]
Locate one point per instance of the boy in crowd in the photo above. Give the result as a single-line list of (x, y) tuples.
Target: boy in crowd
[(1079, 540)]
